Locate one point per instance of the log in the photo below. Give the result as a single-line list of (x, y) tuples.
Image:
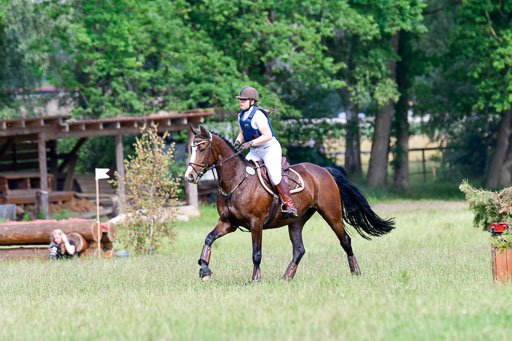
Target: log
[(94, 245), (38, 232), (109, 234), (109, 253), (80, 242), (24, 253), (92, 253)]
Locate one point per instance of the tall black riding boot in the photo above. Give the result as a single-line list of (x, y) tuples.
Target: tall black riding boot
[(287, 208)]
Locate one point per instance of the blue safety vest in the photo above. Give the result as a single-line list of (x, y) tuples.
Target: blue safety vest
[(249, 132)]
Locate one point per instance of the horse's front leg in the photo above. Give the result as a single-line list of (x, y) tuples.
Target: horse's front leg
[(223, 227), (257, 234)]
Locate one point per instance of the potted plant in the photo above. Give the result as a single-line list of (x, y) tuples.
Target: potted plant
[(493, 212)]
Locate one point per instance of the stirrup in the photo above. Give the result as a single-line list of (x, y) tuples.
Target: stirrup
[(290, 212)]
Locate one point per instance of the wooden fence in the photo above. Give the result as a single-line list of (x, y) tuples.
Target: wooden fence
[(420, 165)]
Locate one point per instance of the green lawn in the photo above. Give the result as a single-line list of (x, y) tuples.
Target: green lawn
[(429, 279)]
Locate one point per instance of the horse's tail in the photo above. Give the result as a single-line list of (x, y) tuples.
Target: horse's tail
[(356, 209)]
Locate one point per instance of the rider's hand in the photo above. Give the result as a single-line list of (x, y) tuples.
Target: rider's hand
[(237, 144), (245, 146)]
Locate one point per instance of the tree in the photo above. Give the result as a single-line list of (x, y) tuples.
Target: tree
[(151, 193), (391, 17), (132, 57), (469, 78), (21, 64)]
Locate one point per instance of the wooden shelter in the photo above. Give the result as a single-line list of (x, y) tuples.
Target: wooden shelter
[(29, 144)]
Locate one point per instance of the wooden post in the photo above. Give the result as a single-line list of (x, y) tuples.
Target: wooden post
[(53, 163), (98, 215), (120, 168), (191, 189), (424, 169), (43, 174), (14, 157)]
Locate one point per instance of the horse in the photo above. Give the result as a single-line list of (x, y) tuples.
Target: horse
[(243, 201)]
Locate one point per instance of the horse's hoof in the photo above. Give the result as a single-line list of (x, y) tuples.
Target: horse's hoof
[(205, 272), (354, 267), (206, 278), (256, 275)]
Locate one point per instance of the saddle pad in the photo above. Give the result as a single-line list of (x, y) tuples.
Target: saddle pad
[(295, 181)]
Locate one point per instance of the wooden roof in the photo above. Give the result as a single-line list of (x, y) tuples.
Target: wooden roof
[(59, 127)]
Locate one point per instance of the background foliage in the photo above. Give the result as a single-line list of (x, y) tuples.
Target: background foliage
[(309, 60)]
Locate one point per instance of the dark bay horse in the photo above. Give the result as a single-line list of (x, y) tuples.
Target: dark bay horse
[(243, 201)]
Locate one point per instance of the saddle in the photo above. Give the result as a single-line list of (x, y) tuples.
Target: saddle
[(295, 181)]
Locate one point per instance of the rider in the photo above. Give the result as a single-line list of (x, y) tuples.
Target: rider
[(257, 133)]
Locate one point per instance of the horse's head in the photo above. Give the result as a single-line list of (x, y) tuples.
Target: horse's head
[(202, 157)]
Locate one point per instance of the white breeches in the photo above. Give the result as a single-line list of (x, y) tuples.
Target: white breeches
[(270, 153)]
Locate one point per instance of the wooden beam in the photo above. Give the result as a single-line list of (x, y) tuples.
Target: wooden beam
[(14, 131), (30, 155), (21, 166), (23, 145), (113, 132), (73, 152), (14, 158), (5, 146), (43, 174), (120, 165)]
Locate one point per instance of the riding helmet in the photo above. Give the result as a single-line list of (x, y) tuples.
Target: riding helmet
[(248, 92)]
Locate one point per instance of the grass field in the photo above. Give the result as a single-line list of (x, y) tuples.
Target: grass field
[(429, 279)]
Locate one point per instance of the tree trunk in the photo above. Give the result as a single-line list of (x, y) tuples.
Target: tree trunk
[(401, 166), (378, 170), (352, 142), (502, 143), (506, 170)]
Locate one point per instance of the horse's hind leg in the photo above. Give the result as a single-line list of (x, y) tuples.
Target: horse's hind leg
[(334, 218), (295, 233)]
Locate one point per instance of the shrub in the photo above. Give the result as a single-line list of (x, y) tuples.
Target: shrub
[(488, 207), (151, 191)]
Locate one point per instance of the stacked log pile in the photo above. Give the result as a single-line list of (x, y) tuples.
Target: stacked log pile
[(31, 239)]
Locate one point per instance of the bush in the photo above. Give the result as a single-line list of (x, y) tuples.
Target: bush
[(151, 191), (488, 207)]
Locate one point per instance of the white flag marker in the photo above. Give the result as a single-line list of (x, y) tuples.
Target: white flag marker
[(101, 173)]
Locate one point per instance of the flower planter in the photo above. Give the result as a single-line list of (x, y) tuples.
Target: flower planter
[(501, 264)]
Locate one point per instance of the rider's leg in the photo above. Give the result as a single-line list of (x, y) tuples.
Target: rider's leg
[(272, 159), (284, 191)]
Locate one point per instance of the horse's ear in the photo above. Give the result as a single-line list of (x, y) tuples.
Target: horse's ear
[(194, 131), (204, 132)]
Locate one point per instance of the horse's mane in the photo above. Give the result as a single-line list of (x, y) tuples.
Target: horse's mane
[(229, 144)]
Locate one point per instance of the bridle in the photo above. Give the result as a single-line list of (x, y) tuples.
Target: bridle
[(205, 168)]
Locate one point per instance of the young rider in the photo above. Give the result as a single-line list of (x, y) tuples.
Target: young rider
[(256, 133)]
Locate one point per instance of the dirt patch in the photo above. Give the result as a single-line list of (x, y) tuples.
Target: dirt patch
[(406, 206)]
